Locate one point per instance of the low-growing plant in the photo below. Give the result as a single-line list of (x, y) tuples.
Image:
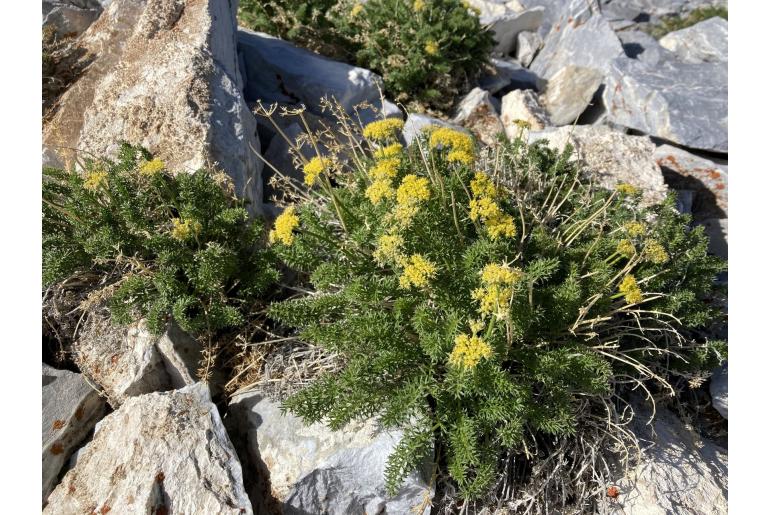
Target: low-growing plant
[(678, 22), (158, 245), (482, 299)]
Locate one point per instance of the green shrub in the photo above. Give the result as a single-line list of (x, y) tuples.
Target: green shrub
[(162, 245), (482, 297)]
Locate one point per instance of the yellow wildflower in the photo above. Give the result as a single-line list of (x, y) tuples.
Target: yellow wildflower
[(522, 124), (356, 10), (460, 156), (388, 248), (404, 214), (284, 227), (635, 229), (500, 274), (484, 208), (418, 5), (655, 252), (501, 226), (413, 190), (183, 230), (95, 180), (482, 186), (431, 47), (152, 167), (314, 168), (469, 350), (379, 189), (452, 138), (627, 189), (385, 169), (497, 289), (496, 222), (476, 326), (630, 289), (383, 129), (417, 272), (625, 248), (393, 150)]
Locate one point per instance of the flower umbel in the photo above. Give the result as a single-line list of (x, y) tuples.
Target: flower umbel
[(184, 229), (388, 248), (314, 168), (383, 129), (431, 47), (152, 167), (379, 190), (285, 224), (630, 290), (418, 5), (413, 190), (497, 289), (95, 180), (635, 229), (625, 248), (417, 272), (393, 150), (627, 189), (450, 138), (356, 10), (469, 350), (655, 252), (385, 169)]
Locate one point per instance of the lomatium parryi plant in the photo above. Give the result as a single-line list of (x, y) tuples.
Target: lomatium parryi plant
[(157, 244), (484, 299)]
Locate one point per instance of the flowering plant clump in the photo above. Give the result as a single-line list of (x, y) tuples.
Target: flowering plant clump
[(160, 245), (489, 304)]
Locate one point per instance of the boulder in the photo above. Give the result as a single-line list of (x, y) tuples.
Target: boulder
[(716, 230), (278, 71), (521, 104), (159, 453), (703, 42), (643, 47), (557, 13), (476, 112), (126, 361), (680, 102), (312, 469), (704, 177), (718, 390), (680, 474), (588, 44), (416, 123), (508, 75), (165, 76), (71, 409), (527, 46), (70, 18), (569, 92), (611, 157), (506, 23)]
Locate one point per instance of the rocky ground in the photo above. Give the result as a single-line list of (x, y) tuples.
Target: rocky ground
[(134, 432)]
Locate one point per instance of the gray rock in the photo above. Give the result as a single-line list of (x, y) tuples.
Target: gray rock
[(508, 74), (278, 71), (655, 8), (611, 158), (71, 409), (527, 46), (718, 390), (159, 453), (716, 230), (681, 474), (476, 112), (569, 92), (313, 469), (703, 42), (704, 177), (680, 102), (165, 76), (557, 13), (684, 201), (643, 47), (70, 18), (416, 123), (589, 44), (505, 23), (523, 105)]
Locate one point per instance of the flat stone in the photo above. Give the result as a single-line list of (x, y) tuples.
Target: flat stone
[(521, 104), (718, 390), (679, 102), (557, 13), (611, 157), (159, 453), (476, 112), (508, 75), (705, 41), (71, 409), (312, 469), (69, 18), (506, 23), (643, 47), (569, 92), (527, 46), (165, 76)]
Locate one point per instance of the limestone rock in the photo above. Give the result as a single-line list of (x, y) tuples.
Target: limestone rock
[(71, 408), (508, 75), (165, 75), (611, 157), (718, 390), (557, 13), (569, 92), (506, 23), (416, 123), (159, 453), (521, 104), (703, 42), (716, 230), (126, 361), (312, 469), (70, 18), (588, 44), (476, 112), (527, 46), (680, 102), (681, 474), (643, 47)]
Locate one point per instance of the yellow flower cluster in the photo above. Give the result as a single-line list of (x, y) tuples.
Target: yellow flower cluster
[(635, 229), (413, 190), (388, 248), (497, 289), (356, 10), (383, 129), (314, 168), (626, 248), (469, 350), (152, 167), (183, 230), (655, 252), (459, 144), (630, 289), (284, 227), (431, 47), (418, 5), (379, 190), (95, 180), (627, 189), (417, 272), (393, 150), (382, 174), (484, 208), (385, 169)]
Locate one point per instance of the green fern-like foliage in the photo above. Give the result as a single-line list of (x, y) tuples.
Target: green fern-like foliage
[(480, 296), (163, 245)]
